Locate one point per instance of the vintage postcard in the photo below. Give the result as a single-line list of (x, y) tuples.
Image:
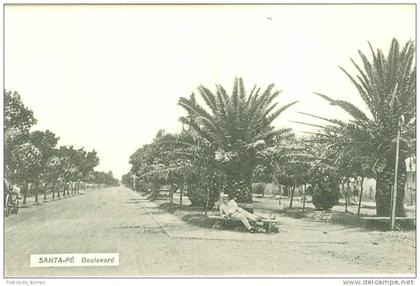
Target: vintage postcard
[(210, 140)]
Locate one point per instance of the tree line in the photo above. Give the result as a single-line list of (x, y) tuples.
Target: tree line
[(228, 140), (35, 163)]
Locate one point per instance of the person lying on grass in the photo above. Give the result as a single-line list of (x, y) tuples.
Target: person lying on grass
[(229, 208)]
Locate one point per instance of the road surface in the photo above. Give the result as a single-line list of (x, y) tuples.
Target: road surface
[(112, 220)]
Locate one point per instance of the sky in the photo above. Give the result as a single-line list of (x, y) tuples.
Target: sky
[(109, 77)]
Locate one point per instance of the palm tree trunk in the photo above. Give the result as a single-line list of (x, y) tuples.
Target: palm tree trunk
[(45, 192), (384, 186), (304, 197), (240, 189)]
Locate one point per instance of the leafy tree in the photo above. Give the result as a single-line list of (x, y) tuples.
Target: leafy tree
[(347, 161), (45, 142), (192, 163), (18, 119), (90, 161), (351, 164), (292, 174), (126, 179), (324, 188), (87, 162), (25, 165), (84, 163), (53, 171), (156, 164), (69, 167), (104, 178), (387, 85), (32, 158), (314, 162), (261, 176), (146, 163), (287, 162), (77, 165), (323, 173), (238, 127)]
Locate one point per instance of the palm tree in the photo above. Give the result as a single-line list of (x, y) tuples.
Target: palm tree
[(238, 127), (387, 85)]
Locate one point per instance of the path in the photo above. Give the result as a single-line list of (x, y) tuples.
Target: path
[(151, 242)]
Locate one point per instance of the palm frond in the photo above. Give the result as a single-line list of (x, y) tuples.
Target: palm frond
[(351, 109)]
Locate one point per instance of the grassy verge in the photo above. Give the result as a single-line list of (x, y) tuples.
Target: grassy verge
[(195, 216)]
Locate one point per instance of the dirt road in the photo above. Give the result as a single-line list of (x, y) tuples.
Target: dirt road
[(112, 220)]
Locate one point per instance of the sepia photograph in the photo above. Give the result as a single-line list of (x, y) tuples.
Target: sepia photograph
[(210, 141)]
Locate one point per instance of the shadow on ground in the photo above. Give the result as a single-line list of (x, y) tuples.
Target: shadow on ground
[(342, 218)]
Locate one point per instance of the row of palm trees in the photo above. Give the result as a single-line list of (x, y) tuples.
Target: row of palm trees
[(227, 136), (387, 85)]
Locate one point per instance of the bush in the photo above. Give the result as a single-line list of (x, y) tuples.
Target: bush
[(324, 199), (324, 190), (196, 193)]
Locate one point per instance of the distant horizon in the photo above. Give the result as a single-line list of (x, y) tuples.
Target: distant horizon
[(109, 77)]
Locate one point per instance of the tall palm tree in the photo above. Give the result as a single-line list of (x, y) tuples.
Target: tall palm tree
[(387, 85), (238, 127)]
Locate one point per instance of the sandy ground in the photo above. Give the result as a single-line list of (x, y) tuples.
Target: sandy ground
[(115, 220)]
